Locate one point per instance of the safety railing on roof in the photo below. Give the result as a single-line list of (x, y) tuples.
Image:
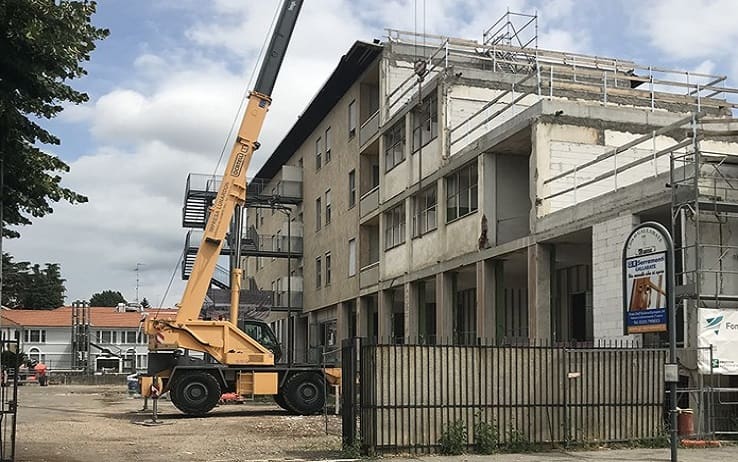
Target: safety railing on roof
[(580, 172), (553, 74)]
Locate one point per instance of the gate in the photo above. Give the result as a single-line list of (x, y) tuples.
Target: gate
[(10, 359), (400, 398)]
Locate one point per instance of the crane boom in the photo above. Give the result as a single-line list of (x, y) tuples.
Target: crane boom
[(223, 340), (232, 190), (245, 365)]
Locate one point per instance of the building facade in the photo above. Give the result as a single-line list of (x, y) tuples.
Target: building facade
[(464, 191), (109, 339)]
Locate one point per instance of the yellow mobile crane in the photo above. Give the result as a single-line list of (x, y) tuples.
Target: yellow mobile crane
[(233, 361)]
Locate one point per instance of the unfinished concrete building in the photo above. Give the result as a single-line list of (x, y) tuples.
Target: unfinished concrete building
[(456, 190)]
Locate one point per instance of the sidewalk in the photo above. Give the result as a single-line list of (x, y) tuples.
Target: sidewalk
[(725, 454)]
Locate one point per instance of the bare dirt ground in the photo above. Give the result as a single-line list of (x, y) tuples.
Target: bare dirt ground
[(78, 423)]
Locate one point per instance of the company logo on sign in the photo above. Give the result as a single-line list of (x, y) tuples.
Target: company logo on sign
[(714, 323)]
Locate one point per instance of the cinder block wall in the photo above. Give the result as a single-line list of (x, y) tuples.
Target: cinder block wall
[(608, 238)]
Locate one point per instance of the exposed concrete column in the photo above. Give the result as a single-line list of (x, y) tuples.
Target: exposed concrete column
[(384, 310), (343, 319), (488, 198), (362, 317), (538, 168), (539, 291), (444, 308), (411, 312), (486, 299)]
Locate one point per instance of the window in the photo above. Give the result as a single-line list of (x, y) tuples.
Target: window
[(318, 273), (34, 354), (35, 336), (461, 192), (318, 154), (394, 146), (394, 227), (256, 222), (352, 258), (424, 216), (141, 362), (327, 206), (327, 269), (425, 122), (317, 213), (130, 336), (352, 188), (352, 118), (328, 331), (104, 336), (327, 145), (142, 337)]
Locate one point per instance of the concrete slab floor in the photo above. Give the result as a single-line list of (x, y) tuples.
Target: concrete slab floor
[(724, 454)]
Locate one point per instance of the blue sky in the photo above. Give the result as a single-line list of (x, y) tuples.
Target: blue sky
[(166, 85)]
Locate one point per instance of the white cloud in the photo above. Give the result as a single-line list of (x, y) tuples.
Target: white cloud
[(688, 28), (170, 114)]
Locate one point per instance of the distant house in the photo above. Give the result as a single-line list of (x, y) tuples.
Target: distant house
[(116, 337)]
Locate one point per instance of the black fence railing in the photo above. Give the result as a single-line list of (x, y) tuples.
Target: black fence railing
[(403, 397), (11, 360)]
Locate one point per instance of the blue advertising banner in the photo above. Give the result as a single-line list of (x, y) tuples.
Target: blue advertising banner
[(645, 281)]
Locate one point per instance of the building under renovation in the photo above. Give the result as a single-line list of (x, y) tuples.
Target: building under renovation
[(449, 190)]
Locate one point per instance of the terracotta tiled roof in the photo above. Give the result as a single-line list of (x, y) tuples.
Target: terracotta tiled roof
[(62, 317)]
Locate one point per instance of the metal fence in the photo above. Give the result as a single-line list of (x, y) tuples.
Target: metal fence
[(400, 398), (9, 363)]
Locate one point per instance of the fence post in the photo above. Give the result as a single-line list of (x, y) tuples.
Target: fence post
[(348, 380)]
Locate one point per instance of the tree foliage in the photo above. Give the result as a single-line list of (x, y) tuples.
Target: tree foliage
[(42, 43), (107, 298), (27, 286)]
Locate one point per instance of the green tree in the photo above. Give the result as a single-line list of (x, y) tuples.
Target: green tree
[(42, 44), (107, 298), (32, 287)]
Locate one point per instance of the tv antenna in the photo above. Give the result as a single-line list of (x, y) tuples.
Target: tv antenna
[(138, 278)]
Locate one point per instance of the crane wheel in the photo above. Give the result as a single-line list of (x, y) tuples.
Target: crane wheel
[(279, 399), (304, 393), (195, 392)]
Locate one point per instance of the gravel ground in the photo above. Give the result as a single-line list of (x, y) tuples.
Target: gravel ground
[(97, 424)]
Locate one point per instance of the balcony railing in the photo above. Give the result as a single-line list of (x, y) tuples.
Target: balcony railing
[(369, 128), (256, 243), (369, 275), (369, 202)]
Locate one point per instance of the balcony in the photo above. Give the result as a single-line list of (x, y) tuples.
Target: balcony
[(284, 188), (369, 275), (369, 129), (369, 202), (262, 245)]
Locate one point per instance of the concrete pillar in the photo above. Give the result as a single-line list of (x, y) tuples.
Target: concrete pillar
[(343, 319), (384, 310), (444, 308), (487, 184), (362, 317), (486, 299), (539, 291), (499, 268), (411, 312)]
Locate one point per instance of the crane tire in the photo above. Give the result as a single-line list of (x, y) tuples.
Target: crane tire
[(304, 393), (195, 392), (279, 399)]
